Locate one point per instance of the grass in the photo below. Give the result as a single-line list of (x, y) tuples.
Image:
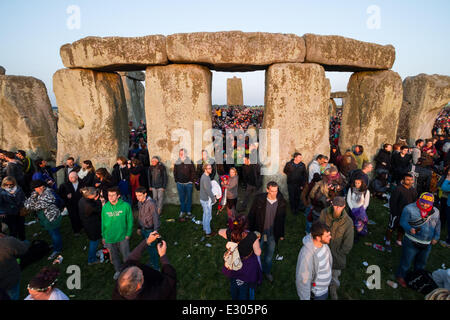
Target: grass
[(200, 277)]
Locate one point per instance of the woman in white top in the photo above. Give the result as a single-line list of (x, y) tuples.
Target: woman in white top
[(358, 199), (42, 286)]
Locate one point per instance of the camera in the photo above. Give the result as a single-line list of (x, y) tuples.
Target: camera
[(159, 240)]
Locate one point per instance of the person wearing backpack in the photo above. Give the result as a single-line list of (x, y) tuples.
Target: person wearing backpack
[(43, 201), (243, 280)]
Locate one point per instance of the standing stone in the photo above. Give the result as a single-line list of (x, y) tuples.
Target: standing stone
[(115, 53), (2, 71), (26, 117), (372, 110), (134, 95), (92, 112), (235, 50), (424, 96), (234, 92), (338, 53), (177, 97), (297, 101)]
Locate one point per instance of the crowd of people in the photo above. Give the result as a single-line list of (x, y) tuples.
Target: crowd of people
[(442, 124), (237, 117), (335, 127), (333, 193)]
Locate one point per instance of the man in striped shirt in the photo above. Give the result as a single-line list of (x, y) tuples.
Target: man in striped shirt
[(313, 272)]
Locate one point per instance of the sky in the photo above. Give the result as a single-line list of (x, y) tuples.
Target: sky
[(32, 32)]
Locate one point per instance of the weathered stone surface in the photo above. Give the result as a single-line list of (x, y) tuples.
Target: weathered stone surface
[(338, 53), (2, 71), (177, 99), (339, 94), (92, 122), (26, 117), (235, 50), (424, 96), (135, 75), (371, 113), (134, 95), (235, 96), (115, 53), (297, 105)]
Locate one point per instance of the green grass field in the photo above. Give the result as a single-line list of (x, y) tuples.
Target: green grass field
[(200, 277)]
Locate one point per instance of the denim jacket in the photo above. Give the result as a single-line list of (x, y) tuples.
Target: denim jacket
[(429, 228)]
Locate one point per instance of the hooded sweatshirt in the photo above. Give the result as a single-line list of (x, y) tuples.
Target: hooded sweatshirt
[(313, 272), (117, 221)]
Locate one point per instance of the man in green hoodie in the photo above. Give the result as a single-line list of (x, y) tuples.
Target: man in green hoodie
[(117, 227), (342, 236)]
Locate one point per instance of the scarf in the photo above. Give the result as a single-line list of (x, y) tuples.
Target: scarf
[(82, 173), (423, 212)]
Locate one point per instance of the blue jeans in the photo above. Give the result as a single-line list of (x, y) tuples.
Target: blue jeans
[(411, 254), (56, 239), (322, 297), (307, 223), (92, 254), (268, 249), (207, 216), (152, 250), (185, 195), (241, 290), (14, 292)]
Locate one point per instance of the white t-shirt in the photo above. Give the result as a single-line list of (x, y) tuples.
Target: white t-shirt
[(55, 295)]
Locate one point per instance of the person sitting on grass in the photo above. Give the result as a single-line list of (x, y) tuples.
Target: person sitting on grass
[(141, 282), (42, 286)]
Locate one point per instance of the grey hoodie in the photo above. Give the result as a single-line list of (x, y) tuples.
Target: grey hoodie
[(313, 267)]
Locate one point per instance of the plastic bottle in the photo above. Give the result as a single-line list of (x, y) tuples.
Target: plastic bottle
[(392, 284), (378, 247)]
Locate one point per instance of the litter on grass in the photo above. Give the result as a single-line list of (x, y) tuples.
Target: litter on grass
[(188, 256), (372, 222), (365, 264), (30, 223), (84, 249), (175, 243), (279, 258), (170, 220), (208, 245)]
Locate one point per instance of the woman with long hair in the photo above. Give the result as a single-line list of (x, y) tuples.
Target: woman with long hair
[(12, 200), (320, 199), (104, 182), (358, 198), (87, 174), (244, 281)]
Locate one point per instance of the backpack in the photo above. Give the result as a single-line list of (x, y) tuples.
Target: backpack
[(231, 257), (421, 281), (37, 250)]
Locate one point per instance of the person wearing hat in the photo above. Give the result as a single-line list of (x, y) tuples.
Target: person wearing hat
[(43, 201), (342, 235), (422, 226)]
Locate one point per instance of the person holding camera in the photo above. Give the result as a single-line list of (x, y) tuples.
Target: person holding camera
[(148, 220), (141, 282)]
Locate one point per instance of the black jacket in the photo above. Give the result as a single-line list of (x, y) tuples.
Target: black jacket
[(76, 168), (383, 156), (400, 198), (157, 285), (296, 173), (400, 165), (67, 188), (257, 215), (184, 172), (15, 169), (157, 176), (142, 173), (119, 174), (252, 175), (89, 180), (90, 214)]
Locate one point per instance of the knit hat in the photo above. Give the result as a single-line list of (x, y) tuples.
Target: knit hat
[(338, 202), (36, 184), (427, 197)]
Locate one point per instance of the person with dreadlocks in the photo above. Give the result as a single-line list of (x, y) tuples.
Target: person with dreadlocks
[(422, 226), (43, 286)]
